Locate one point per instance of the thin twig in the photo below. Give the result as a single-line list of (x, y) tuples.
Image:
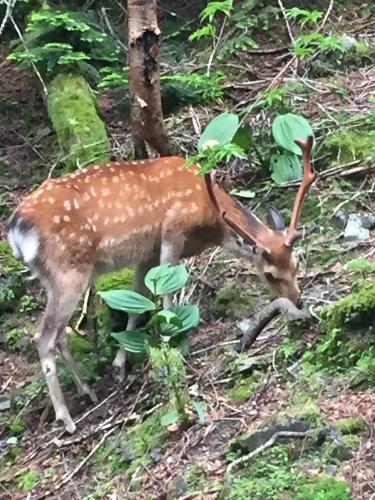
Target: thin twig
[(8, 13), (261, 448), (286, 21), (327, 14), (15, 26)]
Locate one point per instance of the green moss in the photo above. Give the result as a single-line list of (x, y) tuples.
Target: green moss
[(308, 410), (81, 134), (356, 308), (350, 145), (352, 441), (351, 425), (133, 449), (78, 344), (245, 387), (231, 300), (120, 280)]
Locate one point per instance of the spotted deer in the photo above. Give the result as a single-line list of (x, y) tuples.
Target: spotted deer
[(113, 215)]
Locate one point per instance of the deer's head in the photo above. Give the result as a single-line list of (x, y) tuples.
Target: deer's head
[(271, 245)]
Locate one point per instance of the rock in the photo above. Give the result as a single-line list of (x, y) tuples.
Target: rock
[(354, 230), (249, 443), (4, 402), (331, 439)]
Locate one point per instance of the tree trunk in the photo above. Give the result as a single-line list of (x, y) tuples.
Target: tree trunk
[(144, 80), (81, 133)]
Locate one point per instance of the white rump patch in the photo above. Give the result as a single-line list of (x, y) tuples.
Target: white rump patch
[(24, 245)]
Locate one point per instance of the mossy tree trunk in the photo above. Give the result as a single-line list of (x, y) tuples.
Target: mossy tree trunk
[(144, 79), (81, 133)]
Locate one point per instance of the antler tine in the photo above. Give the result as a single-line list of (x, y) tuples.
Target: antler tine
[(308, 178)]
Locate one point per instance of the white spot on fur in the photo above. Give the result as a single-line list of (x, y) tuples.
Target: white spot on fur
[(67, 205), (199, 187), (66, 218), (76, 204), (57, 219)]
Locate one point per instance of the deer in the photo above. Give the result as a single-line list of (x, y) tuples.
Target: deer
[(142, 213)]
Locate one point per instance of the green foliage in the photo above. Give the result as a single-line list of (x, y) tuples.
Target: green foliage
[(210, 12), (28, 480), (168, 325), (289, 127), (11, 283), (162, 279), (351, 145), (54, 39), (275, 474), (168, 370), (305, 16), (226, 137)]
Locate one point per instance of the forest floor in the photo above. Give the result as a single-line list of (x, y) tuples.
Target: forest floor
[(311, 372)]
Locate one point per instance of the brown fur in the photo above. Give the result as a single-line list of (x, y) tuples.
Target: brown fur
[(113, 215)]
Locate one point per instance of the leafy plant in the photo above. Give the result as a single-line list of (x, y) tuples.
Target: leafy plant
[(165, 325), (54, 38), (304, 16), (164, 336), (225, 137)]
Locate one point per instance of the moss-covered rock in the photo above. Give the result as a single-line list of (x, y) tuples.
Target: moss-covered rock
[(232, 300), (356, 309), (352, 425), (119, 280), (81, 134)]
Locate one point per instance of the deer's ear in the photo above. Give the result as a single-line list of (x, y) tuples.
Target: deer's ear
[(275, 220)]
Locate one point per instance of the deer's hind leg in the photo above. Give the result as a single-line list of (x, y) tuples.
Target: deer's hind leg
[(64, 290)]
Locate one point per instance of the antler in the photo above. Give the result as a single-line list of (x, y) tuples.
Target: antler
[(240, 220), (308, 178)]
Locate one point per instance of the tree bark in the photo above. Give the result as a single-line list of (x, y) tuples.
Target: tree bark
[(144, 79)]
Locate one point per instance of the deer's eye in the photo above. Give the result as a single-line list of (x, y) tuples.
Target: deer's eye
[(271, 278)]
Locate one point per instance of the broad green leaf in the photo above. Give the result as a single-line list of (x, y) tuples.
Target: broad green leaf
[(133, 341), (170, 418), (166, 278), (285, 167), (165, 316), (287, 128), (128, 301), (200, 411), (243, 193), (243, 136), (189, 315), (221, 129)]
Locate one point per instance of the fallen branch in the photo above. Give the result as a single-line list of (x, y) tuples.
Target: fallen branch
[(261, 448), (263, 317)]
